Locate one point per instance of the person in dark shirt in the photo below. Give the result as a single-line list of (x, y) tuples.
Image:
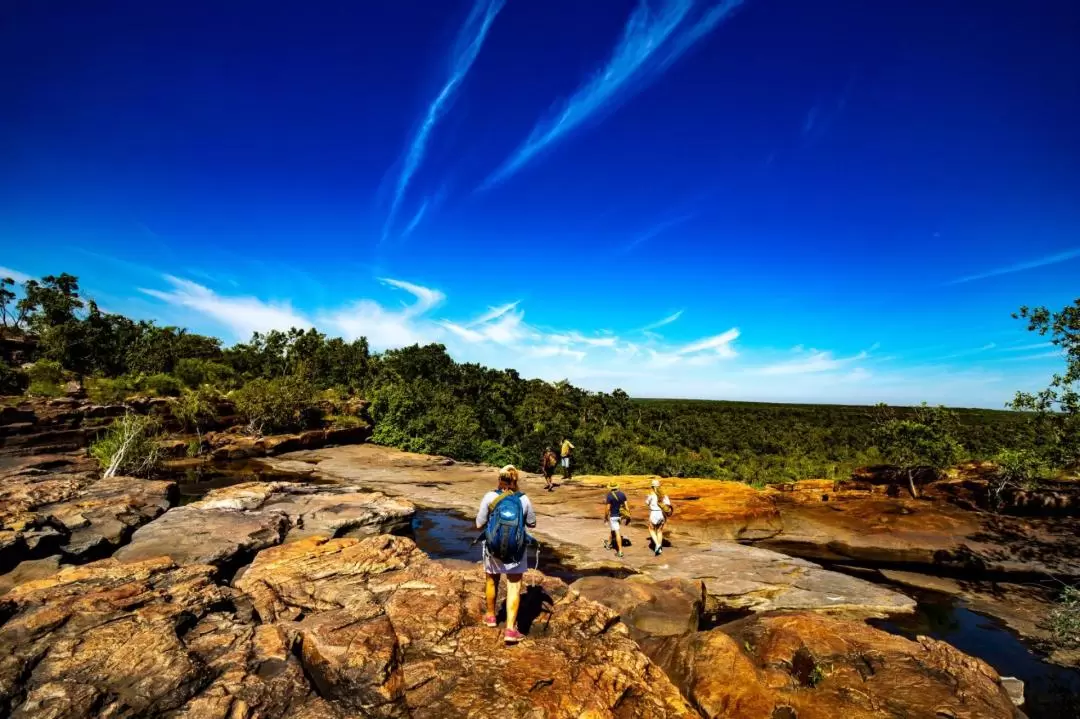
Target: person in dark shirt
[(614, 501), (549, 461)]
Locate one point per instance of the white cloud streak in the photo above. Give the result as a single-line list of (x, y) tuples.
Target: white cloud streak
[(1021, 266), (14, 274), (647, 366), (242, 315), (813, 362), (469, 41), (652, 40), (674, 316)]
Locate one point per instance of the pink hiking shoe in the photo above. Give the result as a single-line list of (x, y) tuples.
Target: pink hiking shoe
[(490, 621), (513, 636)]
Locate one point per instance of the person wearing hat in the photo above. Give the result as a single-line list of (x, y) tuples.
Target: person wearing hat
[(659, 505), (614, 515)]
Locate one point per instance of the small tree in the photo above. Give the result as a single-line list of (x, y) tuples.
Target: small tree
[(922, 440), (195, 410), (1056, 408)]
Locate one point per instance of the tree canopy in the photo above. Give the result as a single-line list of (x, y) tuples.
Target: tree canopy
[(423, 400)]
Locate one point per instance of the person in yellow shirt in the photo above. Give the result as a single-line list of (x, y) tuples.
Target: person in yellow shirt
[(567, 452)]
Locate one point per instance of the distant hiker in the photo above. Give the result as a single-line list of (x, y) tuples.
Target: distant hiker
[(659, 510), (615, 514), (504, 515), (549, 461), (567, 451)]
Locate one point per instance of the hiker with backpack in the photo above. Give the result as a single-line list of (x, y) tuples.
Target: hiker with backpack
[(548, 460), (567, 451), (504, 515), (660, 509), (615, 515)]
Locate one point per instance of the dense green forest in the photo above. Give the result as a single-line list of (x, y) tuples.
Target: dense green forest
[(422, 400)]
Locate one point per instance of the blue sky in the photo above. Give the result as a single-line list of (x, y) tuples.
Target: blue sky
[(833, 201)]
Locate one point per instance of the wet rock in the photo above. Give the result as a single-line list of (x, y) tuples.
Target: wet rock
[(649, 609), (816, 667)]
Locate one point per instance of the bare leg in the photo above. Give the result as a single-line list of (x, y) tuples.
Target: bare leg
[(491, 590), (513, 599), (618, 541), (653, 532)]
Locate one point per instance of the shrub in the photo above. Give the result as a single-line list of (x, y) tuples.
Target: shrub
[(1016, 469), (45, 377), (195, 409), (277, 405), (345, 421), (103, 390), (129, 447), (162, 385), (1064, 620), (12, 380), (196, 372), (497, 455)]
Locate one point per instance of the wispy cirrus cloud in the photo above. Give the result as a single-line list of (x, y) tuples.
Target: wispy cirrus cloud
[(469, 41), (968, 352), (673, 317), (241, 315), (812, 362), (658, 229), (715, 366), (1020, 266), (655, 36), (14, 274)]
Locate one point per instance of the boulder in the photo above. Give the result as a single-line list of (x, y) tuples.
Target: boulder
[(105, 514), (29, 570), (741, 577), (196, 535), (229, 525), (649, 609), (812, 666)]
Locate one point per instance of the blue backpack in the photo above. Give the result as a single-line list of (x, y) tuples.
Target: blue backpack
[(504, 535)]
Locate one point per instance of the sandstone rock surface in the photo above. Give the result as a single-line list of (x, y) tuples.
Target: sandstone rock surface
[(649, 609), (812, 666), (315, 628), (56, 504), (571, 520), (229, 525)]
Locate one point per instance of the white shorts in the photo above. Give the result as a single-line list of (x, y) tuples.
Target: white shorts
[(616, 523), (566, 462), (493, 565)]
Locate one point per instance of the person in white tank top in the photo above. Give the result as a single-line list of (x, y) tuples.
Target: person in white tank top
[(655, 501)]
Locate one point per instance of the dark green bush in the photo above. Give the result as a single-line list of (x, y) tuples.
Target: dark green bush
[(277, 405), (12, 380), (103, 390), (46, 378), (195, 373), (162, 385)]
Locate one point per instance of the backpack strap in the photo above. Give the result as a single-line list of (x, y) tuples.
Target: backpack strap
[(501, 497)]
